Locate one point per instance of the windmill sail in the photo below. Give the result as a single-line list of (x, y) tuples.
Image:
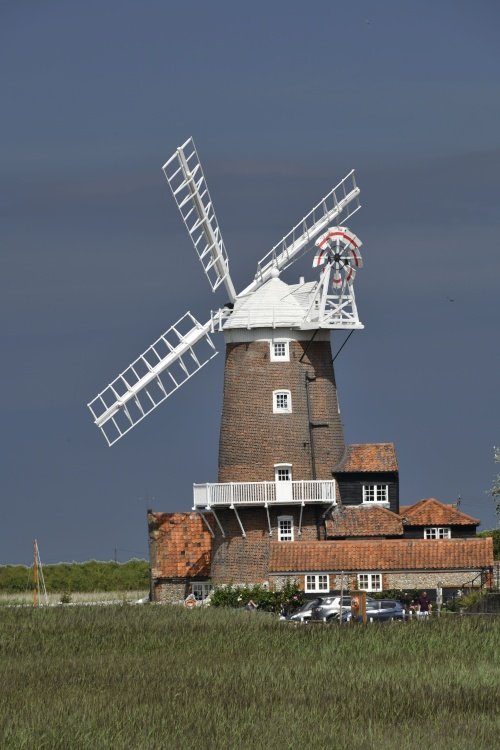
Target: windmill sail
[(343, 196), (189, 188), (172, 360), (186, 346)]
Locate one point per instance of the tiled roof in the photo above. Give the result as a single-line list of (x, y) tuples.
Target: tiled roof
[(363, 520), (369, 457), (181, 545), (395, 554), (431, 512)]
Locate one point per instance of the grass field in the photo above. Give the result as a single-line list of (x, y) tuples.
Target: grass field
[(25, 598), (164, 677)]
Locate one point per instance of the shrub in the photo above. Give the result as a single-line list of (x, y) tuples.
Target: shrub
[(288, 598)]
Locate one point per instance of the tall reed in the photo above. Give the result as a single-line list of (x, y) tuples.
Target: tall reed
[(163, 677)]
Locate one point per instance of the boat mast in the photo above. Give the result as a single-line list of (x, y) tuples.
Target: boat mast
[(38, 579)]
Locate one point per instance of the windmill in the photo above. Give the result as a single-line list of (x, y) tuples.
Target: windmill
[(187, 346), (281, 433)]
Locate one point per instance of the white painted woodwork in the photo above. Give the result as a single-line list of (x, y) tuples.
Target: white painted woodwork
[(283, 254), (175, 357), (263, 493), (186, 179), (276, 305)]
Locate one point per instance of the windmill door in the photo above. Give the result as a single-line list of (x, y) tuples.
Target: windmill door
[(283, 479)]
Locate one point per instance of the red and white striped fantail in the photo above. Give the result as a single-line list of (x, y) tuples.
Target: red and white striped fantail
[(339, 247)]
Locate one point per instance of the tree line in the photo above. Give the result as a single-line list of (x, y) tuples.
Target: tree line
[(79, 577)]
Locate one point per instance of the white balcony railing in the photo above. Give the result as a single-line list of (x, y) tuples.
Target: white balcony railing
[(264, 493)]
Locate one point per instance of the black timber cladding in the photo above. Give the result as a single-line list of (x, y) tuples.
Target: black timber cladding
[(351, 486), (457, 532)]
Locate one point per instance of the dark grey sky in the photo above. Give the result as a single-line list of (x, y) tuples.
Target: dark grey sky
[(281, 99)]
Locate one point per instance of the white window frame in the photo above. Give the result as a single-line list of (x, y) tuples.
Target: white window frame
[(279, 470), (288, 535), (317, 583), (437, 532), (279, 409), (370, 581), (200, 590), (380, 492), (283, 348)]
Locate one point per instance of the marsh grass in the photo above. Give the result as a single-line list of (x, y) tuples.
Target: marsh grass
[(163, 677)]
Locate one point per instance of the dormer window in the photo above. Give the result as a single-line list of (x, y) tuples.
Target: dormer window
[(282, 402), (437, 532), (280, 351), (376, 493)]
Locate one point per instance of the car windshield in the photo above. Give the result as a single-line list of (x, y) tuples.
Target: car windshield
[(309, 605)]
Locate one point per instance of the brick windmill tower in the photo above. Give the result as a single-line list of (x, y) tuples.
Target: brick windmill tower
[(281, 433)]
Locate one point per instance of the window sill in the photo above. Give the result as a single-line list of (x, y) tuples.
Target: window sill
[(378, 503)]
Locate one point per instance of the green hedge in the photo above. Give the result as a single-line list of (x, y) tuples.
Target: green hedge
[(79, 577), (290, 597)]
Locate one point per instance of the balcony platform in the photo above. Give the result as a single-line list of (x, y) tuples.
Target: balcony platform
[(231, 494)]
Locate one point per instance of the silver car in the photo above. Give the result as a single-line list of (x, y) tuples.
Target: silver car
[(304, 613), (330, 607)]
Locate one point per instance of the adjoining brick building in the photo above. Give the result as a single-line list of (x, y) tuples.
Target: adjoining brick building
[(293, 501), (367, 547), (180, 552)]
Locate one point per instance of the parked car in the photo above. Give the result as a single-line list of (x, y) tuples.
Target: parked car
[(377, 610), (330, 606), (380, 610), (304, 613)]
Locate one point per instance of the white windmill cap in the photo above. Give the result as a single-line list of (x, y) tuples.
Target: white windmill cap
[(273, 305)]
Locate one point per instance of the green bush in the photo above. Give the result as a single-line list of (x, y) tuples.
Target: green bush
[(471, 598), (288, 598)]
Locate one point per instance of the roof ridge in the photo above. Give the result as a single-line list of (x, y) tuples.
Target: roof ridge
[(452, 512), (371, 443)]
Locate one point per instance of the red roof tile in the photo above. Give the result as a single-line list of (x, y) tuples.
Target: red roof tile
[(181, 545), (431, 512), (369, 457), (395, 554), (363, 520)]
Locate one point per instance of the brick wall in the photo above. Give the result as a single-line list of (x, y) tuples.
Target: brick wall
[(401, 580), (238, 559), (253, 439), (430, 580), (169, 592), (179, 545)]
